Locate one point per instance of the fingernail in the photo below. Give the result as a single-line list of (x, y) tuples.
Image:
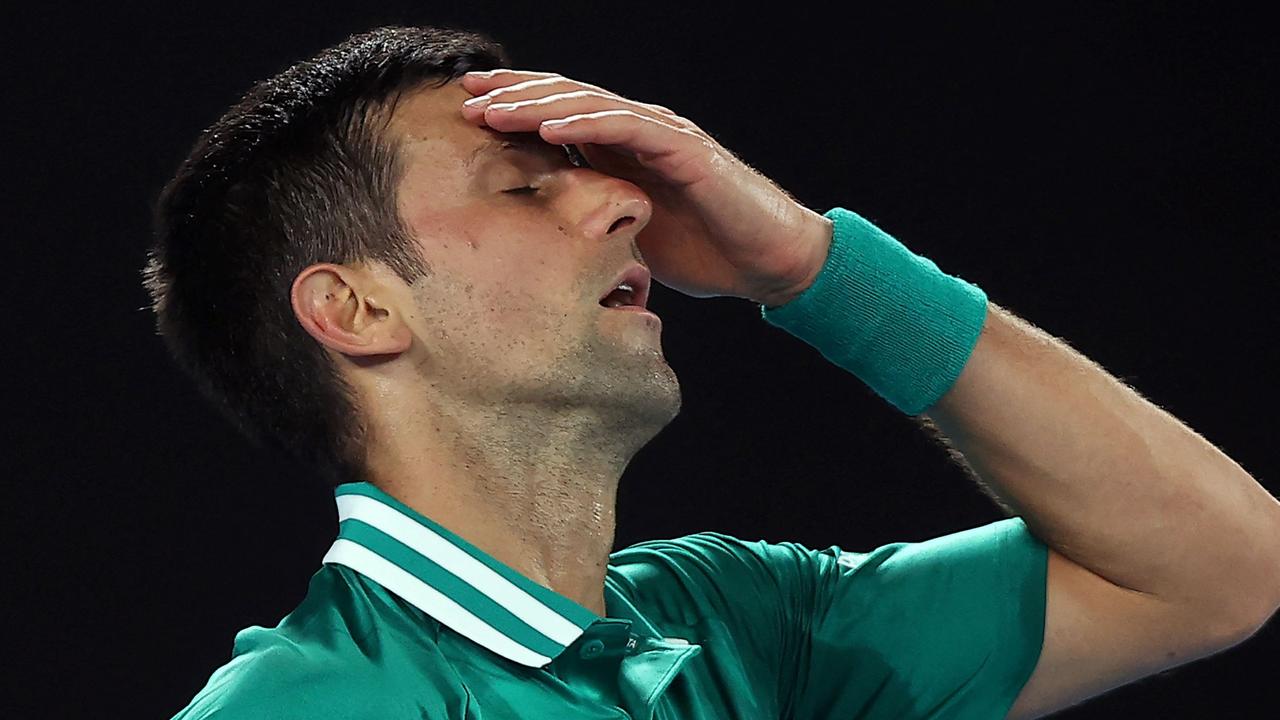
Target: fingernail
[(478, 101), (502, 107), (481, 73)]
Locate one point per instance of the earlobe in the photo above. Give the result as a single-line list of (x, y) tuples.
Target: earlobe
[(329, 303)]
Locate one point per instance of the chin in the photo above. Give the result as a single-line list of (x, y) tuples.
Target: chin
[(660, 396)]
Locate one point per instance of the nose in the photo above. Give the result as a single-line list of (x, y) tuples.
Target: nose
[(610, 206)]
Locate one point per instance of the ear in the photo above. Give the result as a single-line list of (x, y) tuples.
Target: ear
[(348, 311)]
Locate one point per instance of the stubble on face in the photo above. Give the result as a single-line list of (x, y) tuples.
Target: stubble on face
[(510, 319), (523, 399), (593, 364)]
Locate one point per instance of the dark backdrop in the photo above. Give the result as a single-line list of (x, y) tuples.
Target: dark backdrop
[(1106, 173)]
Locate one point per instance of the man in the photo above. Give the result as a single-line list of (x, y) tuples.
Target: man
[(428, 282)]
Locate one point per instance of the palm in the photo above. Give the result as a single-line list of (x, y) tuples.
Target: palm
[(676, 244), (717, 227)]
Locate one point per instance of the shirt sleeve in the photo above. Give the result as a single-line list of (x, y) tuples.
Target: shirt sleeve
[(951, 627)]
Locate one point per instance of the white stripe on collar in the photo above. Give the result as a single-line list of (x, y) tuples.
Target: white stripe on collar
[(451, 580)]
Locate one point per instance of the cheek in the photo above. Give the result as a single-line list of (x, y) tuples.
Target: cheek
[(505, 278), (509, 309)]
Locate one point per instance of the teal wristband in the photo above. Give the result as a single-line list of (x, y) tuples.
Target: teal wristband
[(887, 315)]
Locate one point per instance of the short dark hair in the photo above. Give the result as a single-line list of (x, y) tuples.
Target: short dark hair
[(300, 171)]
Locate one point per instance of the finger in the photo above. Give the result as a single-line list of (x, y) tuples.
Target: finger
[(481, 82), (529, 89), (535, 89), (526, 115), (639, 134), (505, 85)]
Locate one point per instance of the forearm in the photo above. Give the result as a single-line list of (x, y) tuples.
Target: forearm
[(1107, 478)]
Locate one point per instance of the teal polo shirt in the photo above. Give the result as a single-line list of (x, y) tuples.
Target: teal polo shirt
[(406, 619)]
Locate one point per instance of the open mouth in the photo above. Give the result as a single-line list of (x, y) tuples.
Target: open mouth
[(630, 289)]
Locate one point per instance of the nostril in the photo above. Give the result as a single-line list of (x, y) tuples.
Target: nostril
[(621, 223)]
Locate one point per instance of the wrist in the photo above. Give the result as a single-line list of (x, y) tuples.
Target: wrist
[(887, 315), (814, 245)]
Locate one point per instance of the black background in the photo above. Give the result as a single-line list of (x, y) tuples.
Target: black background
[(1109, 174)]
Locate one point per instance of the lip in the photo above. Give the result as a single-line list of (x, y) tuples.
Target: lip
[(637, 276), (639, 313), (635, 309)]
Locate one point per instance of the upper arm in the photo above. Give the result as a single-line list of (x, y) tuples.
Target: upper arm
[(962, 625), (1099, 636)]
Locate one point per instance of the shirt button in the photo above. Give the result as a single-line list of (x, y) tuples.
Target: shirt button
[(591, 649)]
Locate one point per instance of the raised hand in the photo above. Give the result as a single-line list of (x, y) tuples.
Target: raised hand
[(718, 226)]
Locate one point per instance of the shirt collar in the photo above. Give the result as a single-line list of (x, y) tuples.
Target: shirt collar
[(451, 580)]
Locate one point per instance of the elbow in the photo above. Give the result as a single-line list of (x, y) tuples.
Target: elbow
[(1272, 608), (1229, 620), (1270, 605), (1236, 591), (1250, 627), (1255, 607), (1259, 593)]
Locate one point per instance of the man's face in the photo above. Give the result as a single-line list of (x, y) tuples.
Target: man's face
[(511, 312)]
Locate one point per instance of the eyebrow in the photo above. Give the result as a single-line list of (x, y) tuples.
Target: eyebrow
[(526, 142)]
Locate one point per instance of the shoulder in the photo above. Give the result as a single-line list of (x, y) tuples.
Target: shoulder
[(320, 661), (711, 567), (271, 674), (716, 554), (671, 559), (693, 562)]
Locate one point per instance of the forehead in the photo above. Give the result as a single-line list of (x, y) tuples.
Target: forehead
[(430, 125)]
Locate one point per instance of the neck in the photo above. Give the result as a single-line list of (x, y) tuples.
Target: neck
[(533, 488)]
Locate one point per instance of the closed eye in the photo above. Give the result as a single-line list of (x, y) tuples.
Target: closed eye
[(576, 157), (526, 190)]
